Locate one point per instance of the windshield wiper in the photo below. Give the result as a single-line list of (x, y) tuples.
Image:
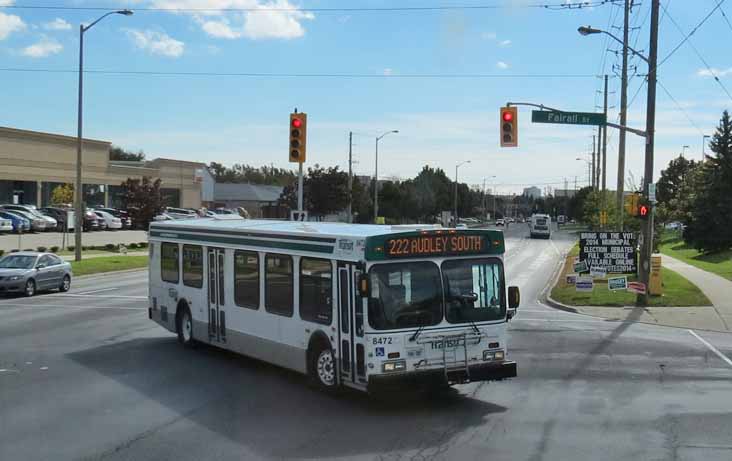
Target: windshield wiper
[(416, 333), (475, 327)]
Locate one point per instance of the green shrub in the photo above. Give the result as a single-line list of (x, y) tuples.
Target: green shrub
[(54, 249), (29, 249), (84, 248), (142, 244), (132, 246), (15, 250), (110, 247), (2, 252), (71, 247), (41, 249)]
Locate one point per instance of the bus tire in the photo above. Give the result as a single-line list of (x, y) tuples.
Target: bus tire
[(322, 366), (184, 325)]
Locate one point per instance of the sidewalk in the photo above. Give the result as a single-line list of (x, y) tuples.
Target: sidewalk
[(714, 318), (105, 255)]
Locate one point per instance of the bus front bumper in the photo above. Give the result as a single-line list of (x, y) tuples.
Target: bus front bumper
[(437, 376)]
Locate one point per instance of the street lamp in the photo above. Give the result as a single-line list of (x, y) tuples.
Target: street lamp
[(704, 144), (683, 150), (494, 195), (376, 174), (456, 188), (587, 30), (78, 192), (589, 169)]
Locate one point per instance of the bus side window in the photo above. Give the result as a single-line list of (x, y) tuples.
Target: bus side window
[(278, 289), (169, 263), (316, 290), (246, 279), (193, 266)]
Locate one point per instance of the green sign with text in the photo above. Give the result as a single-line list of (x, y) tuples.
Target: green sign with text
[(568, 118)]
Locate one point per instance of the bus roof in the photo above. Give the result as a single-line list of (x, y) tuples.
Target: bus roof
[(342, 240)]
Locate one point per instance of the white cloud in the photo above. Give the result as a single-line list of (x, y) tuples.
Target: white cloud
[(57, 24), (273, 19), (9, 23), (156, 42), (714, 71), (502, 65), (505, 43), (388, 71), (44, 48)]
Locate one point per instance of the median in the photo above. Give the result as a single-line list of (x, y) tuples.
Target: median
[(103, 264)]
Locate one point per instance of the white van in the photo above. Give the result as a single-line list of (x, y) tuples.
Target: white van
[(540, 225)]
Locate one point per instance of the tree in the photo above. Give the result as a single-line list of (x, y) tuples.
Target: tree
[(325, 191), (142, 199), (673, 190), (63, 194), (710, 220), (119, 154), (239, 173)]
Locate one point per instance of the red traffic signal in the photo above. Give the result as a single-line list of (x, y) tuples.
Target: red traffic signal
[(507, 116), (643, 211), (296, 123)]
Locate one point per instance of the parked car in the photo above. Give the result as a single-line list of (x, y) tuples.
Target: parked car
[(224, 211), (61, 215), (500, 222), (674, 225), (110, 222), (50, 223), (461, 226), (20, 224), (37, 224), (6, 225), (28, 272), (121, 214), (180, 213)]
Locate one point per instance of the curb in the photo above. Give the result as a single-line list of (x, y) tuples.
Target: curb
[(103, 274)]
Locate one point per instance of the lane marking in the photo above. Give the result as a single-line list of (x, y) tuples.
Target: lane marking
[(567, 320), (711, 348), (64, 306), (96, 291), (81, 295)]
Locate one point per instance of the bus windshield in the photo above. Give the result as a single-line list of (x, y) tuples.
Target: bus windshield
[(404, 295), (473, 290)]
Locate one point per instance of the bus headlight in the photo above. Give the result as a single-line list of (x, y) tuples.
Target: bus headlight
[(493, 355), (398, 365)]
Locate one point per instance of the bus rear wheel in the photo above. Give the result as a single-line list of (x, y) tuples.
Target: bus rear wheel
[(323, 368)]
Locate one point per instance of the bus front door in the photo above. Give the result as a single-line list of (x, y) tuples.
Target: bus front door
[(351, 344), (216, 298)]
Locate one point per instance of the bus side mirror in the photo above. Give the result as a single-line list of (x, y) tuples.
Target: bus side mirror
[(363, 285), (514, 297)]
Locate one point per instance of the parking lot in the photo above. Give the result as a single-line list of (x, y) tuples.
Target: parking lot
[(10, 242)]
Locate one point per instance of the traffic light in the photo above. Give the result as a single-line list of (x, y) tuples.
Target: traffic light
[(632, 202), (644, 210), (509, 127), (298, 137)]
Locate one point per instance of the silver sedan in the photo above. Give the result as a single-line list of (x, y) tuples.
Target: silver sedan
[(28, 272)]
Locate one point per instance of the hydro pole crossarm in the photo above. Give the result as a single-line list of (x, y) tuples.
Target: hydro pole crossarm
[(640, 133)]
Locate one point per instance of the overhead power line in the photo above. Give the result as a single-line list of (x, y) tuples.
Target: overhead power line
[(681, 109), (294, 75), (549, 6), (687, 36)]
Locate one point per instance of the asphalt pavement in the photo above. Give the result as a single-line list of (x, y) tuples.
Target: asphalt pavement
[(85, 375)]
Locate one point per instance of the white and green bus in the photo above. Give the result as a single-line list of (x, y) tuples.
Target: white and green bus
[(362, 306)]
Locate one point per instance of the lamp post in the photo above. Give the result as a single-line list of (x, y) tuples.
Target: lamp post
[(683, 150), (456, 188), (589, 166), (704, 144), (376, 175), (78, 192), (494, 194)]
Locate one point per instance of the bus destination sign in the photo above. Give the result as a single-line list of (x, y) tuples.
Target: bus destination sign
[(435, 245)]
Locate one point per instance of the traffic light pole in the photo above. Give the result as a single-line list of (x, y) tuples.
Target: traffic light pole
[(350, 177), (623, 117), (647, 246), (299, 187)]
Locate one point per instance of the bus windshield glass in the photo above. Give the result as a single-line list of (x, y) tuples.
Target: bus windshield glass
[(404, 295), (473, 290)]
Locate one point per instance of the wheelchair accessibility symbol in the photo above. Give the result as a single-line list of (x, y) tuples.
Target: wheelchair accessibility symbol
[(379, 351)]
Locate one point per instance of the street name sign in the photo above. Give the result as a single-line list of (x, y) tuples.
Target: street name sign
[(568, 118), (584, 283), (617, 283), (613, 251)]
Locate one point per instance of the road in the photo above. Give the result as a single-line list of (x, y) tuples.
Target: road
[(85, 375)]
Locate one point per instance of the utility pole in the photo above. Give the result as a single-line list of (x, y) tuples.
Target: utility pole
[(599, 156), (350, 176), (604, 144), (593, 162), (623, 116), (647, 246)]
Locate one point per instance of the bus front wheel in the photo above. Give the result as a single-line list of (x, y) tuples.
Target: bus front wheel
[(184, 324), (323, 368)]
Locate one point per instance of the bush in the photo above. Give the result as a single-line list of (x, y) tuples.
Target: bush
[(132, 246), (29, 249), (84, 248), (54, 249), (110, 247), (71, 247), (142, 244), (15, 250), (2, 252), (41, 249)]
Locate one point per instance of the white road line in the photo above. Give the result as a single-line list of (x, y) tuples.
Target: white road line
[(96, 291), (564, 320), (64, 306), (79, 295), (712, 348)]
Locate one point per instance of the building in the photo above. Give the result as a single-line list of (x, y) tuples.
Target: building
[(532, 192), (260, 201), (33, 163), (569, 193)]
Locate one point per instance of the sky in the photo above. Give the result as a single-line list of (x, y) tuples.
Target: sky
[(439, 76)]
